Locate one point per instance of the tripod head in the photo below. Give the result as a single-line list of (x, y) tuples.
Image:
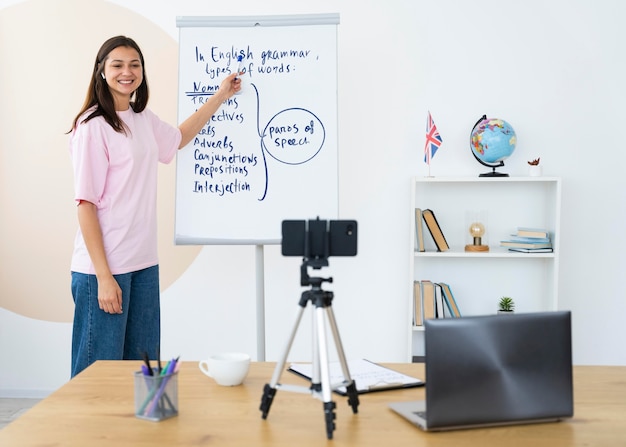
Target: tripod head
[(306, 280)]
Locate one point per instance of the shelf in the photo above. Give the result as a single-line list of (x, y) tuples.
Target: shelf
[(494, 252), (479, 279), (485, 179)]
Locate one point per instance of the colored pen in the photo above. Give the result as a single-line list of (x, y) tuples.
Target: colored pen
[(174, 366), (146, 360), (159, 358)]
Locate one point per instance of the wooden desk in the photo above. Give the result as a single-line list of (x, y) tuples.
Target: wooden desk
[(96, 409)]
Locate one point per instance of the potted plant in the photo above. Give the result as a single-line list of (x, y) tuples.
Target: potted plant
[(534, 170), (506, 305)]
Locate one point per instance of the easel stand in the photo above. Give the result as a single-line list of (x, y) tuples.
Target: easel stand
[(321, 387)]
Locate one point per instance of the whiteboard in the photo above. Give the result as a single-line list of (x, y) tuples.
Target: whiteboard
[(270, 152)]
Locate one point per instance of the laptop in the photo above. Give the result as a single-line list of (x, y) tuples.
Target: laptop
[(495, 370)]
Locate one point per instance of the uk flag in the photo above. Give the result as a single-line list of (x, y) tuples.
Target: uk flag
[(433, 140)]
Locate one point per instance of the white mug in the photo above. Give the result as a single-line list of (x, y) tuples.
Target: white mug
[(227, 369)]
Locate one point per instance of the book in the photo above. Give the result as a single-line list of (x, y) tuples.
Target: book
[(368, 376), (532, 232), (419, 230), (531, 250), (439, 307), (417, 304), (515, 244), (428, 300), (533, 240), (449, 300), (435, 230)]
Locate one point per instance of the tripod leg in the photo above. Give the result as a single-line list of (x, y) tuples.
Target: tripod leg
[(353, 395), (329, 405), (266, 400), (329, 417), (269, 390), (316, 384), (323, 354), (283, 359)]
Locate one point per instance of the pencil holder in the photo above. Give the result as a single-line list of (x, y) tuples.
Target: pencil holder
[(156, 396)]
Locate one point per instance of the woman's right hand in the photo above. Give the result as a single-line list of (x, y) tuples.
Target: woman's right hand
[(109, 295)]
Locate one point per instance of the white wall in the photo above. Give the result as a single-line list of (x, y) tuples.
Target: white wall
[(554, 69)]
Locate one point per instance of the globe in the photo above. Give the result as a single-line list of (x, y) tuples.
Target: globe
[(492, 141)]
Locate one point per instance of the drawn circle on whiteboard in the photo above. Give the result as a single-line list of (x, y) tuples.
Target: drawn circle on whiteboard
[(294, 136)]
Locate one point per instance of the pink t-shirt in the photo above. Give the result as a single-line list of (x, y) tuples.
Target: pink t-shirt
[(118, 173)]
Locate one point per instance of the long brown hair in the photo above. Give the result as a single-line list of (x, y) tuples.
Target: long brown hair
[(98, 93)]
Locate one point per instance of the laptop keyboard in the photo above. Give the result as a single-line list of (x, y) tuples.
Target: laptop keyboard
[(421, 414)]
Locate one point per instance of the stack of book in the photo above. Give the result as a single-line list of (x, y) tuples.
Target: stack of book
[(529, 240), (433, 300)]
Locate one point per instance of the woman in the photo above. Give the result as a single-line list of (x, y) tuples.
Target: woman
[(116, 144)]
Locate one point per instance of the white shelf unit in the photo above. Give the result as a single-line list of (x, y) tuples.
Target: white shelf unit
[(479, 279)]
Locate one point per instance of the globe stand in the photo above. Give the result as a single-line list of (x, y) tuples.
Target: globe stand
[(493, 172)]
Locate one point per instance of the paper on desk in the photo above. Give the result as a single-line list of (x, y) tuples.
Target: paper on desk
[(368, 376)]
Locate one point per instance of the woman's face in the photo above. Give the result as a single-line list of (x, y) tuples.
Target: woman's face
[(124, 74)]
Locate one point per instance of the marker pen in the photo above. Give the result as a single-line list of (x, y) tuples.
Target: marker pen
[(239, 65)]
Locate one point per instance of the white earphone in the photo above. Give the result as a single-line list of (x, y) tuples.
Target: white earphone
[(102, 74)]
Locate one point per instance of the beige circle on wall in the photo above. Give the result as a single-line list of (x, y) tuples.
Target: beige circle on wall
[(47, 49)]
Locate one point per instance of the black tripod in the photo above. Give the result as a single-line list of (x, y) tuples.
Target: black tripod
[(321, 387)]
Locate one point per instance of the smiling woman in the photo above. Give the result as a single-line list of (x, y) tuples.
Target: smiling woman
[(116, 145), (34, 164)]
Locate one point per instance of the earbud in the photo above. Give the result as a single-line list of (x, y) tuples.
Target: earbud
[(102, 74)]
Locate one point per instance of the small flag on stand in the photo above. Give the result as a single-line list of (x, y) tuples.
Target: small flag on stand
[(433, 141)]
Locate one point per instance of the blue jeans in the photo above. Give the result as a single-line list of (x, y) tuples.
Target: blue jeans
[(97, 335)]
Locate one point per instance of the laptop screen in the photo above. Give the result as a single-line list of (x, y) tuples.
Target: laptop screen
[(498, 368)]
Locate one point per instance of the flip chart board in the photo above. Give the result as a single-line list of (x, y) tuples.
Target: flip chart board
[(270, 152)]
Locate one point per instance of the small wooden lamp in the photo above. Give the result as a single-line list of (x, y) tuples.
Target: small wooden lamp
[(477, 231)]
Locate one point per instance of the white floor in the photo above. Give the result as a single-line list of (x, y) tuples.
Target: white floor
[(11, 409)]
